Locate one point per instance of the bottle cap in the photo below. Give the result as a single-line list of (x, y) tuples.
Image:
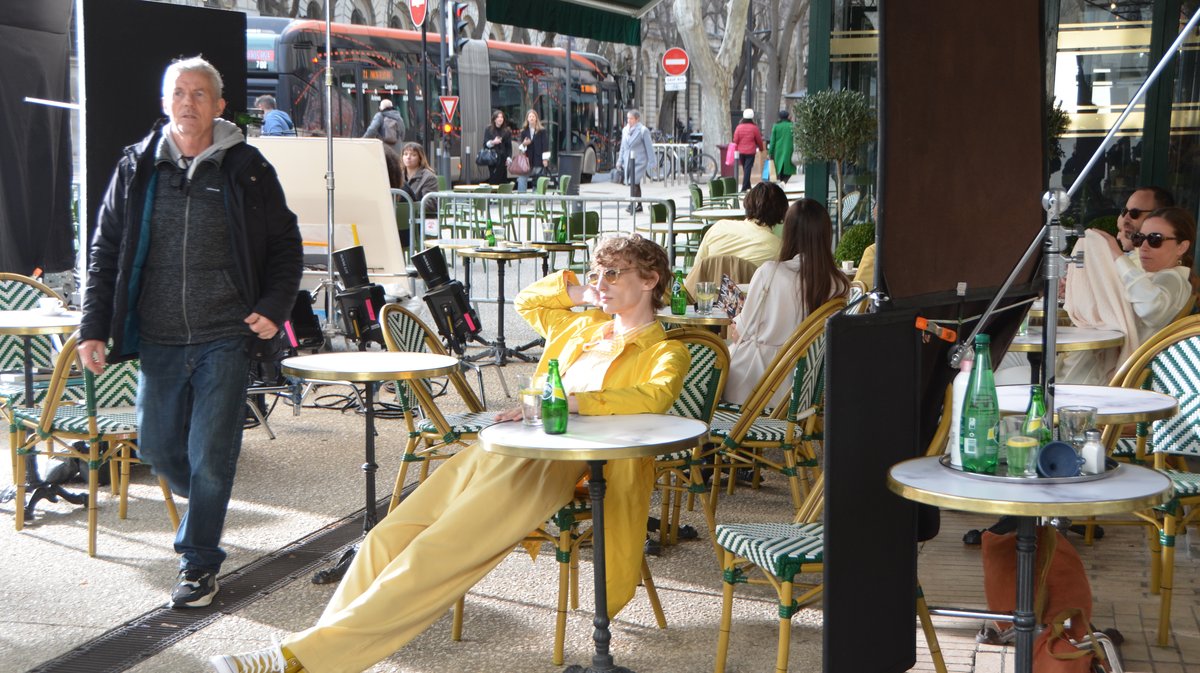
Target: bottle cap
[(1091, 435)]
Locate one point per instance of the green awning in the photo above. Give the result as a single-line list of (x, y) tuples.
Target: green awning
[(604, 20)]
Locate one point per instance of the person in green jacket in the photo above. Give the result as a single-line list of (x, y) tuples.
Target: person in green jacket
[(780, 147)]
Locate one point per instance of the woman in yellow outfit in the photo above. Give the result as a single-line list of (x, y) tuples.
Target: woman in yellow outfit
[(414, 564)]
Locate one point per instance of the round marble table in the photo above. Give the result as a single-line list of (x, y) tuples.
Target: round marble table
[(718, 214), (1069, 339), (1126, 489), (597, 439), (1113, 405), (718, 318)]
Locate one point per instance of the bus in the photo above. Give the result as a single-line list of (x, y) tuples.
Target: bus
[(286, 58)]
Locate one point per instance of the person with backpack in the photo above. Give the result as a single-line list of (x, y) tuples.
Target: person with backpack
[(387, 125), (276, 122)]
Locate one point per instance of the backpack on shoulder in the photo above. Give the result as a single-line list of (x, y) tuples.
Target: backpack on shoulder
[(390, 132)]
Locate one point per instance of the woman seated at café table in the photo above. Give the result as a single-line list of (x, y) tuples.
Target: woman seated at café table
[(782, 293), (474, 509), (752, 239), (1111, 292)]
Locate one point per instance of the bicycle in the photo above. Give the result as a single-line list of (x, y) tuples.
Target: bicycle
[(700, 167)]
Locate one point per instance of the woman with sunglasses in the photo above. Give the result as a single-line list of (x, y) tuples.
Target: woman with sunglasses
[(474, 509), (1160, 289), (782, 293), (1111, 292)]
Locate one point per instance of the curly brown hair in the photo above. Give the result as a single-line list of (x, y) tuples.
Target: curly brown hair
[(766, 204), (643, 254)]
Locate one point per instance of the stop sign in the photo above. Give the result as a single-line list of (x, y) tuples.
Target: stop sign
[(416, 9), (675, 61)]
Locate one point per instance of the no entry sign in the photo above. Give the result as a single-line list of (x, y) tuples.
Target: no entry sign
[(416, 9), (675, 61)]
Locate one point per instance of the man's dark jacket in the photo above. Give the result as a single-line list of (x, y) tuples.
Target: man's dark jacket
[(264, 236)]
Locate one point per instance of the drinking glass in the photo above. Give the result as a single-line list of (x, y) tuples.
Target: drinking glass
[(531, 399), (706, 292), (1073, 421)]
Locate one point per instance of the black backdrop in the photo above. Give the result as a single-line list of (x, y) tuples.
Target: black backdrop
[(129, 44), (961, 175), (35, 140)]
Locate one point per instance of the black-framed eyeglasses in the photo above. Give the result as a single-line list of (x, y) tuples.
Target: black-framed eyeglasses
[(1153, 240), (1135, 213), (610, 275)]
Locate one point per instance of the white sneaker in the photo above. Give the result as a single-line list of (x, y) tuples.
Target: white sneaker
[(267, 660)]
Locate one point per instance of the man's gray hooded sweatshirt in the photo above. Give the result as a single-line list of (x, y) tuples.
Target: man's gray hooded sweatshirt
[(188, 291)]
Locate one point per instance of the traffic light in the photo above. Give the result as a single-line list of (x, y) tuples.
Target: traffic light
[(457, 20)]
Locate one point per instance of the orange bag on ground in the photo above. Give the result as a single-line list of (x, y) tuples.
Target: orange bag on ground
[(1061, 592)]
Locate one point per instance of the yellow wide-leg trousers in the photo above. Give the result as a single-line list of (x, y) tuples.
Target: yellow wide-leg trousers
[(442, 539)]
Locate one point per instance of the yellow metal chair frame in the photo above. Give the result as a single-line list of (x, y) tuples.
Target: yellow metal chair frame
[(58, 424), (403, 331), (740, 448)]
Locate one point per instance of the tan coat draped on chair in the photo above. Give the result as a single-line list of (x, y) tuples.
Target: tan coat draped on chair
[(711, 268)]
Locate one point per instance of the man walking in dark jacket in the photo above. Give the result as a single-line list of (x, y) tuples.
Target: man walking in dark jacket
[(195, 257)]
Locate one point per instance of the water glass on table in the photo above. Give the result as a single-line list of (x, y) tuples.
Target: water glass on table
[(531, 399), (1073, 422), (706, 292), (1018, 447)]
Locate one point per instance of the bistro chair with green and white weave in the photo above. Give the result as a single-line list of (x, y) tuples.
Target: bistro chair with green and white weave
[(1168, 363), (747, 436), (678, 474), (105, 425), (432, 435)]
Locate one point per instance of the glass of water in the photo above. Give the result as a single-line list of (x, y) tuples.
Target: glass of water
[(706, 292), (1073, 421), (531, 399)]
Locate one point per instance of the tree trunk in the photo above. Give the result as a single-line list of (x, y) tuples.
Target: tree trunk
[(837, 201), (715, 70)]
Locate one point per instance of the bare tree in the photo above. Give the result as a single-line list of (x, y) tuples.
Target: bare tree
[(715, 69), (279, 8), (779, 24)]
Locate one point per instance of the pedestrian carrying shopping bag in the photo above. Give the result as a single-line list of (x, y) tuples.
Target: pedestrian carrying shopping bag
[(730, 154)]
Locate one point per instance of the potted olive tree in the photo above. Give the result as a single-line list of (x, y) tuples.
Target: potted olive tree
[(833, 126)]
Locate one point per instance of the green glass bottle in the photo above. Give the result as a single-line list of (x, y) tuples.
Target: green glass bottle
[(678, 294), (979, 433), (489, 234), (1035, 417), (554, 402), (560, 230)]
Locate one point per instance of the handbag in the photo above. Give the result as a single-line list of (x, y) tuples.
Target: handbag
[(486, 157), (766, 172), (520, 164), (730, 154)]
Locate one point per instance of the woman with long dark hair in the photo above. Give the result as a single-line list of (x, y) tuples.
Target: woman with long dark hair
[(498, 137), (782, 294)]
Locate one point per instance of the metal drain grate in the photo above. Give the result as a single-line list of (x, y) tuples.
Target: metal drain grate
[(146, 635)]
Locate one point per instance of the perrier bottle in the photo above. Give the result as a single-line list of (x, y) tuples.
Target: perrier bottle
[(560, 230), (679, 300), (1035, 417), (554, 402), (979, 434), (489, 234)]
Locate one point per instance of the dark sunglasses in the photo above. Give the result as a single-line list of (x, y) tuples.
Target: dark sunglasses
[(1153, 240), (1135, 213)]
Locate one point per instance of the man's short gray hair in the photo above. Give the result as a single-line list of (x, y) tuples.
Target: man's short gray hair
[(265, 101), (634, 112), (193, 64)]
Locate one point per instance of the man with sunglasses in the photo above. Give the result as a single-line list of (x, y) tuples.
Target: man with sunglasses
[(1140, 203)]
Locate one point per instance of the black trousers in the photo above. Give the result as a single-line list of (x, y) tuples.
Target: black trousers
[(747, 161)]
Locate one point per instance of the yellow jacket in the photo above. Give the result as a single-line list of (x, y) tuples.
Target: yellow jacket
[(646, 377)]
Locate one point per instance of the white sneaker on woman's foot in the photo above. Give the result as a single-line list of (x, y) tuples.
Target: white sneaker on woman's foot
[(267, 660)]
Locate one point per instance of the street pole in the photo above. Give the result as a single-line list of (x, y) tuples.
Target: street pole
[(425, 85), (443, 158)]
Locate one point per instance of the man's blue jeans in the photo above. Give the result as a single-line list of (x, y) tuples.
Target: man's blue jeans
[(191, 407)]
